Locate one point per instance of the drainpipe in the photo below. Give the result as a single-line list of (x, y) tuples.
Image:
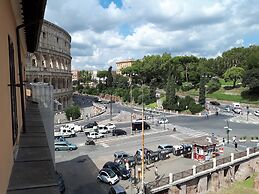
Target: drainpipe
[(21, 76), (21, 71)]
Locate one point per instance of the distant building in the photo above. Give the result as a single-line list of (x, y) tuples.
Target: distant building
[(123, 64), (75, 75)]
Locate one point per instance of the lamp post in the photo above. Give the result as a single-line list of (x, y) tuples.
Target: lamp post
[(131, 104), (111, 107), (247, 112), (227, 130), (143, 149)]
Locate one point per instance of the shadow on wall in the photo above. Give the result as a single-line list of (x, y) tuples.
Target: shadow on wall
[(80, 176)]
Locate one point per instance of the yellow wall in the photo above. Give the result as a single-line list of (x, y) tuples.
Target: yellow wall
[(9, 21)]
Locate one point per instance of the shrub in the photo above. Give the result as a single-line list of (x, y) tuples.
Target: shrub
[(187, 86), (213, 85), (195, 108), (73, 111)]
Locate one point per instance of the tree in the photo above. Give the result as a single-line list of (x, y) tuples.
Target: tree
[(109, 81), (213, 85), (234, 73), (85, 76), (171, 98), (251, 79), (73, 111), (202, 90), (102, 74)]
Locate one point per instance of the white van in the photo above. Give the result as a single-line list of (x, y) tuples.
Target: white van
[(236, 105), (64, 132), (72, 126), (103, 129)]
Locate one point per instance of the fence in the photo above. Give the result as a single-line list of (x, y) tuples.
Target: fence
[(198, 169)]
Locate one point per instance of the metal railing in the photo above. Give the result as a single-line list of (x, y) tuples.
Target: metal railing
[(198, 169)]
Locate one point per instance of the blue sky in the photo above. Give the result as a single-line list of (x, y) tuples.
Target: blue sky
[(105, 31)]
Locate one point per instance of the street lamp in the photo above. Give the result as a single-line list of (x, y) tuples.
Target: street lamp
[(227, 130), (143, 149), (247, 112)]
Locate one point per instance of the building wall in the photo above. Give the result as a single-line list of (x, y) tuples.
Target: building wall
[(75, 75), (123, 64), (8, 11), (52, 64)]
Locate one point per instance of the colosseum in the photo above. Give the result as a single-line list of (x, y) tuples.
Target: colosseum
[(52, 64)]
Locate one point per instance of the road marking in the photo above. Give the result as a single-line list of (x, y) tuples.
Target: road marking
[(81, 145), (104, 145), (174, 136)]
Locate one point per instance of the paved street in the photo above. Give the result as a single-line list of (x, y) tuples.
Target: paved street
[(81, 167)]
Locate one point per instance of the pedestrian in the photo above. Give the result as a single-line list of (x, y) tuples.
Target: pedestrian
[(223, 140), (236, 146), (156, 172)]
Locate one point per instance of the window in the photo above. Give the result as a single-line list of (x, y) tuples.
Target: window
[(57, 39), (44, 34), (34, 62), (13, 90)]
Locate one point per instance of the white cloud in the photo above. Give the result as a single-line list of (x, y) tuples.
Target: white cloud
[(204, 28)]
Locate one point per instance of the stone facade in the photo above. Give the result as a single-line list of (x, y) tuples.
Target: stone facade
[(123, 64), (51, 63)]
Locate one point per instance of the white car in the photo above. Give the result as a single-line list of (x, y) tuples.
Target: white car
[(103, 129), (72, 126), (111, 126), (237, 110), (106, 175), (256, 113), (163, 121), (95, 135)]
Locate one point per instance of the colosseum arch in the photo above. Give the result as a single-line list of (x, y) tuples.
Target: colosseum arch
[(46, 80), (57, 63), (34, 61), (36, 79), (61, 64), (51, 63), (54, 83)]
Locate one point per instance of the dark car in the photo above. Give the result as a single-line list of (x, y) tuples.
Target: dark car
[(137, 125), (117, 132), (123, 157), (119, 169), (215, 103), (89, 141), (117, 189), (90, 125)]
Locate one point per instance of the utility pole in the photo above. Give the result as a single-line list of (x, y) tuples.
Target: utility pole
[(131, 104), (111, 108), (143, 148)]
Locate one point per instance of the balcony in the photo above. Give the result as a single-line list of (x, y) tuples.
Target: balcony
[(33, 170)]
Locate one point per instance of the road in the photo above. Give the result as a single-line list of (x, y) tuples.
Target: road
[(81, 167)]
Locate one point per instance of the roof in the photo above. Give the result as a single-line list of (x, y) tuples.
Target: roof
[(33, 14), (118, 188), (203, 141)]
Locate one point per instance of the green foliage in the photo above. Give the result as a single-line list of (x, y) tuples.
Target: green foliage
[(120, 81), (202, 90), (171, 99), (213, 85), (251, 79), (80, 88), (85, 76), (73, 111), (109, 81), (102, 74), (234, 73), (187, 86), (195, 108)]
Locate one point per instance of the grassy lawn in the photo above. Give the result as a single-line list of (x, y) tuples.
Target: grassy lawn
[(152, 105), (244, 187)]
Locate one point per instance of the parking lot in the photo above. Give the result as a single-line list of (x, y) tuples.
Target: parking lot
[(85, 162)]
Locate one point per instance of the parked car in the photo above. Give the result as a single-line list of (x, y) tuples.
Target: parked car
[(103, 129), (64, 146), (256, 113), (111, 126), (227, 108), (237, 110), (123, 156), (119, 169), (149, 155), (61, 184), (117, 189), (137, 125), (215, 103), (236, 105), (163, 121), (106, 175), (95, 135), (91, 125), (117, 132), (64, 132), (166, 147), (72, 126)]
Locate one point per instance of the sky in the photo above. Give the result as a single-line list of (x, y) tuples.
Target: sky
[(106, 31)]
